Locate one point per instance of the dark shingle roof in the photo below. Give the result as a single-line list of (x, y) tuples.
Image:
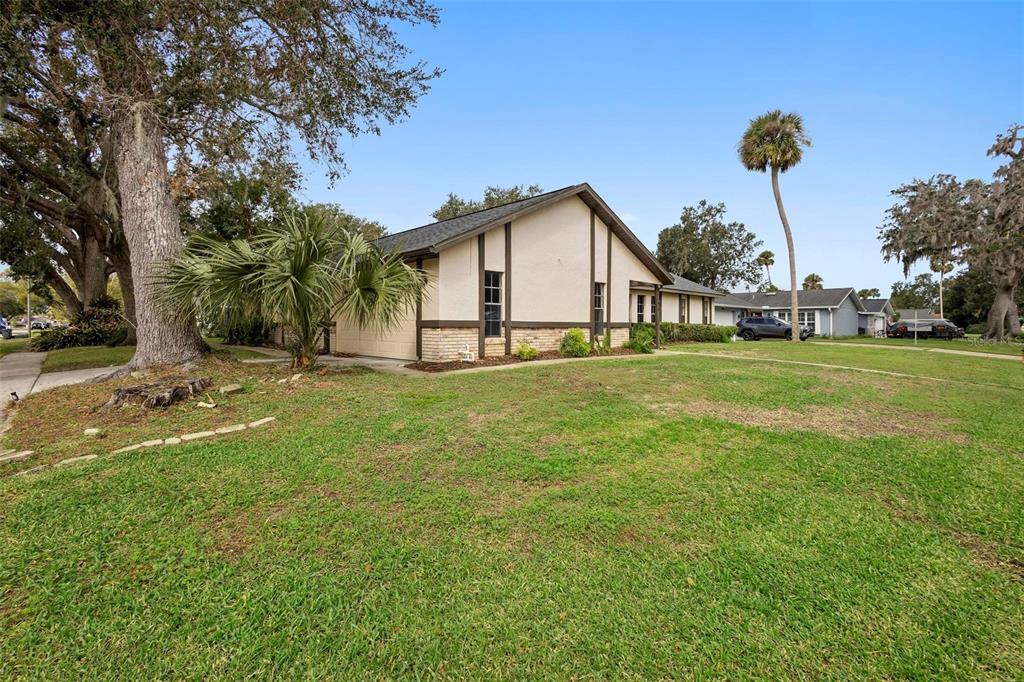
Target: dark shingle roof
[(426, 237), (436, 236), (807, 298), (688, 286), (874, 305)]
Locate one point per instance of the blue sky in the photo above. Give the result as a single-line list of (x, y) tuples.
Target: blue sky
[(647, 101)]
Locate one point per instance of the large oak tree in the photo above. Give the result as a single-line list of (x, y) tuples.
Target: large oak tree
[(705, 248), (186, 79), (980, 224)]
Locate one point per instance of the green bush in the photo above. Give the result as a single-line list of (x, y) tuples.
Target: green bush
[(245, 331), (574, 344), (101, 324), (976, 328), (699, 333), (524, 351), (641, 338)]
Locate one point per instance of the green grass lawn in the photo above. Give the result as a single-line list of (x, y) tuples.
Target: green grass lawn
[(675, 516), (103, 356), (958, 370), (12, 345), (974, 345)]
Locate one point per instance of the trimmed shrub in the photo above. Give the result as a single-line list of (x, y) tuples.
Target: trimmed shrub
[(524, 351), (700, 333), (642, 339), (101, 324), (574, 344)]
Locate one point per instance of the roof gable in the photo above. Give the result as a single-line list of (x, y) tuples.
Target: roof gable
[(806, 298), (440, 235)]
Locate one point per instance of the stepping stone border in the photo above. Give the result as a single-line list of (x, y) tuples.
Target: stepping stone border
[(173, 440)]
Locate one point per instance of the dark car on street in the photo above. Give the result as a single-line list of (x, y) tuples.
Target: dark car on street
[(924, 328), (757, 328)]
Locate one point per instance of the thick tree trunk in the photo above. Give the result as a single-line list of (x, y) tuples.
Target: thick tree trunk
[(92, 270), (150, 221), (123, 268), (793, 303), (998, 323), (68, 296)]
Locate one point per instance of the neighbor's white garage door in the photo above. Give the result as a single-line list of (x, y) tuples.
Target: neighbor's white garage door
[(398, 342)]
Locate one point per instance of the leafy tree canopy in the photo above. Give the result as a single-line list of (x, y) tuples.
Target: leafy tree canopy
[(705, 248), (979, 224), (921, 292), (868, 293), (455, 206)]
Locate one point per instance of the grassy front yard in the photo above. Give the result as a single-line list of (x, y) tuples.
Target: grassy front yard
[(974, 345), (102, 356), (629, 517)]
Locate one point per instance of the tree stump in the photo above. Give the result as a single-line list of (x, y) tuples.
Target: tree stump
[(158, 394)]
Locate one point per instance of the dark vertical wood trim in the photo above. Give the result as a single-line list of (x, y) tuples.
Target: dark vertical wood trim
[(481, 350), (419, 316), (608, 285), (593, 275), (657, 316), (508, 288)]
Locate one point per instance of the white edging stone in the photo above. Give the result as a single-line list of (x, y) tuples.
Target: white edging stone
[(231, 429), (75, 460), (261, 422), (197, 435), (17, 456)]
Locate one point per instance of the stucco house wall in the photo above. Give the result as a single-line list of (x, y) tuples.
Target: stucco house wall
[(550, 265)]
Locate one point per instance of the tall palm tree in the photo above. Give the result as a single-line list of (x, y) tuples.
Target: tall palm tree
[(814, 281), (299, 273), (766, 259), (943, 267), (775, 141)]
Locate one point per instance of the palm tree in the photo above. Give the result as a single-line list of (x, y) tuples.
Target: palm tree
[(775, 141), (868, 293), (766, 259), (299, 273), (943, 267), (813, 281)]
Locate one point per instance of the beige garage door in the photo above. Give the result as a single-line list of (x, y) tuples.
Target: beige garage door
[(398, 342)]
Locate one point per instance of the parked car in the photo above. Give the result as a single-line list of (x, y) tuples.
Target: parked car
[(5, 329), (42, 323), (925, 328), (757, 328)]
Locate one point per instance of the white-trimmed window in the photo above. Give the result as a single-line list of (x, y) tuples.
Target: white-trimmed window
[(805, 318), (492, 303), (599, 307), (640, 307)]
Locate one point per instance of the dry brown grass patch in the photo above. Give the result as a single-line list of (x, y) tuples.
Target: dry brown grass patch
[(846, 422)]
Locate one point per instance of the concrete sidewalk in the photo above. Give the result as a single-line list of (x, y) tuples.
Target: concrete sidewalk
[(18, 374)]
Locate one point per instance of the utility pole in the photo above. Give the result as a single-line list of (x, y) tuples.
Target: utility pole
[(28, 299)]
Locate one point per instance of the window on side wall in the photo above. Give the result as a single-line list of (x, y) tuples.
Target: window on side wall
[(599, 307), (492, 303), (640, 308)]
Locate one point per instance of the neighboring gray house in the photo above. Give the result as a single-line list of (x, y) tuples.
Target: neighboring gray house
[(828, 312), (877, 312)]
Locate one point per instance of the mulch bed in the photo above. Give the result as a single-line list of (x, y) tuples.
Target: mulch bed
[(490, 361)]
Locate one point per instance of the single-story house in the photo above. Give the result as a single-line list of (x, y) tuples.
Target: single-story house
[(877, 313), (527, 270), (828, 312)]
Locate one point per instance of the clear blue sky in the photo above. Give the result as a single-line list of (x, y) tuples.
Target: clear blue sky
[(647, 101)]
